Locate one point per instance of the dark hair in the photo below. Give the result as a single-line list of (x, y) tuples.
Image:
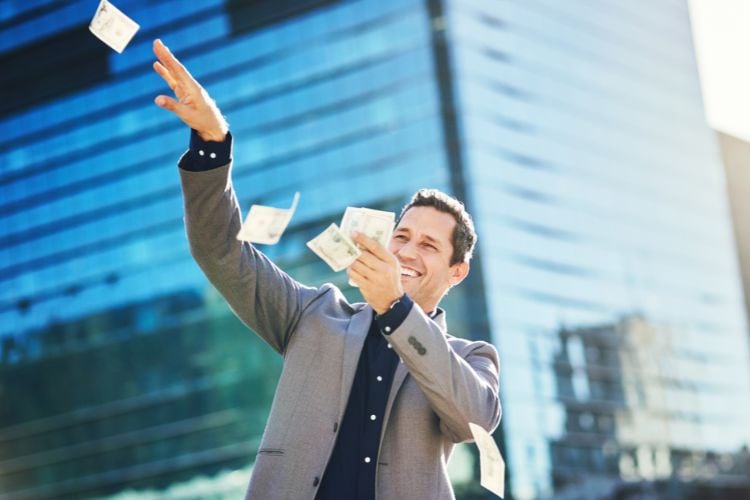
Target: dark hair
[(464, 235)]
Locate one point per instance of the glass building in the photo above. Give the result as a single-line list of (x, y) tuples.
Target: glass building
[(606, 272)]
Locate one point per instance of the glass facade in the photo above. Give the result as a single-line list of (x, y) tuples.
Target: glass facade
[(613, 286), (606, 273)]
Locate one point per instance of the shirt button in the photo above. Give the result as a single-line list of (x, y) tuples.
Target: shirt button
[(212, 155), (367, 460), (379, 378), (201, 152), (390, 346), (373, 417), (387, 329)]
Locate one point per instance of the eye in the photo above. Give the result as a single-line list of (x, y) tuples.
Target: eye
[(429, 246), (399, 237)]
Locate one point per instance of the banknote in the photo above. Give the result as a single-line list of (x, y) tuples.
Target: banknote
[(376, 224), (112, 27), (335, 248), (265, 225), (491, 463)]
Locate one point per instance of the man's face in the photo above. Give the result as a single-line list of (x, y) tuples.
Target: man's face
[(423, 245)]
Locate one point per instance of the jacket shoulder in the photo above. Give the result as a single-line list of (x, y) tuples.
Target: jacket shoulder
[(330, 301)]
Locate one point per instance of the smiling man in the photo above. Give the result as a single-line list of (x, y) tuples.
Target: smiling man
[(373, 396)]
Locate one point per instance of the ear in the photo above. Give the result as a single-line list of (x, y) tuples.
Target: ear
[(459, 271)]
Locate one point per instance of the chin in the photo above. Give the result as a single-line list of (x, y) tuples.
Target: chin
[(408, 288)]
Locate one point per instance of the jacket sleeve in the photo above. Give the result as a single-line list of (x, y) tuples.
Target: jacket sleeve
[(263, 296), (461, 388)]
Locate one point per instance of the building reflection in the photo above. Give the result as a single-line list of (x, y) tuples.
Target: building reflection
[(631, 427)]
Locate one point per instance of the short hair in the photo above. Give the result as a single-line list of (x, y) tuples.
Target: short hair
[(464, 236)]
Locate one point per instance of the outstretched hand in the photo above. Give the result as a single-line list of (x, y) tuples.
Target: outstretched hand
[(377, 272), (193, 104)]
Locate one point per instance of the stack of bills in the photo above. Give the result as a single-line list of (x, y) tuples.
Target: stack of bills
[(376, 224), (334, 245), (335, 248)]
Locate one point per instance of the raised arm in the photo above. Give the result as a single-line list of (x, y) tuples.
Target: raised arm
[(263, 296)]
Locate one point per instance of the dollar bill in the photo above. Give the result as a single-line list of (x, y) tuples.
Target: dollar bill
[(335, 248), (491, 463), (376, 224), (112, 27), (265, 225)]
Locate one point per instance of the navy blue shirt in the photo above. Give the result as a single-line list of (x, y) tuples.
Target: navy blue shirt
[(350, 473), (206, 155)]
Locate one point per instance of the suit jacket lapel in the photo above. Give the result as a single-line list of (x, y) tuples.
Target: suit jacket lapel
[(356, 333), (398, 379)]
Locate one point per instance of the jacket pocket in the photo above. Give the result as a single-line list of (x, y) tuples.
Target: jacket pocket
[(270, 451)]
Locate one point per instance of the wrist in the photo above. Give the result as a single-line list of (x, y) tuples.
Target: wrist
[(217, 135), (215, 129), (388, 305)]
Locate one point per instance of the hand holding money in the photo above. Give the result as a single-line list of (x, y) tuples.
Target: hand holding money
[(335, 248), (377, 273), (194, 106), (376, 224)]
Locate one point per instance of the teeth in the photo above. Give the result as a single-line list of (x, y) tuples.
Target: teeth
[(405, 271)]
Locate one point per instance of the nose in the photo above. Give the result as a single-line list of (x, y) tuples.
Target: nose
[(406, 251)]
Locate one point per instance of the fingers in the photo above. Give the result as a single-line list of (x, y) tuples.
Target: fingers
[(172, 105), (378, 286), (165, 74), (369, 260), (362, 269), (372, 246), (178, 89), (355, 275), (176, 70), (370, 267)]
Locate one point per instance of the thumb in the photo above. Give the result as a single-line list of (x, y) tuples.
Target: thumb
[(170, 104)]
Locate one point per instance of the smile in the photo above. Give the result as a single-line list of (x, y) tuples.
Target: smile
[(409, 272)]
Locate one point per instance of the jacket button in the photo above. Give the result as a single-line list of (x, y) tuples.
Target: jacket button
[(316, 481), (335, 426)]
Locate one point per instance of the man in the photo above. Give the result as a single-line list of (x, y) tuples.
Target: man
[(373, 396)]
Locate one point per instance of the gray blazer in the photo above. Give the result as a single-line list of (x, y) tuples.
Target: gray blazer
[(441, 384)]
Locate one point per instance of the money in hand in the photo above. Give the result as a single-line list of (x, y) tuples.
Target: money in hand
[(335, 248), (265, 225), (376, 224), (112, 27)]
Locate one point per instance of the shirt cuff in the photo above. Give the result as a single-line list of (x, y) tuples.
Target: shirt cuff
[(392, 318), (206, 155)]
